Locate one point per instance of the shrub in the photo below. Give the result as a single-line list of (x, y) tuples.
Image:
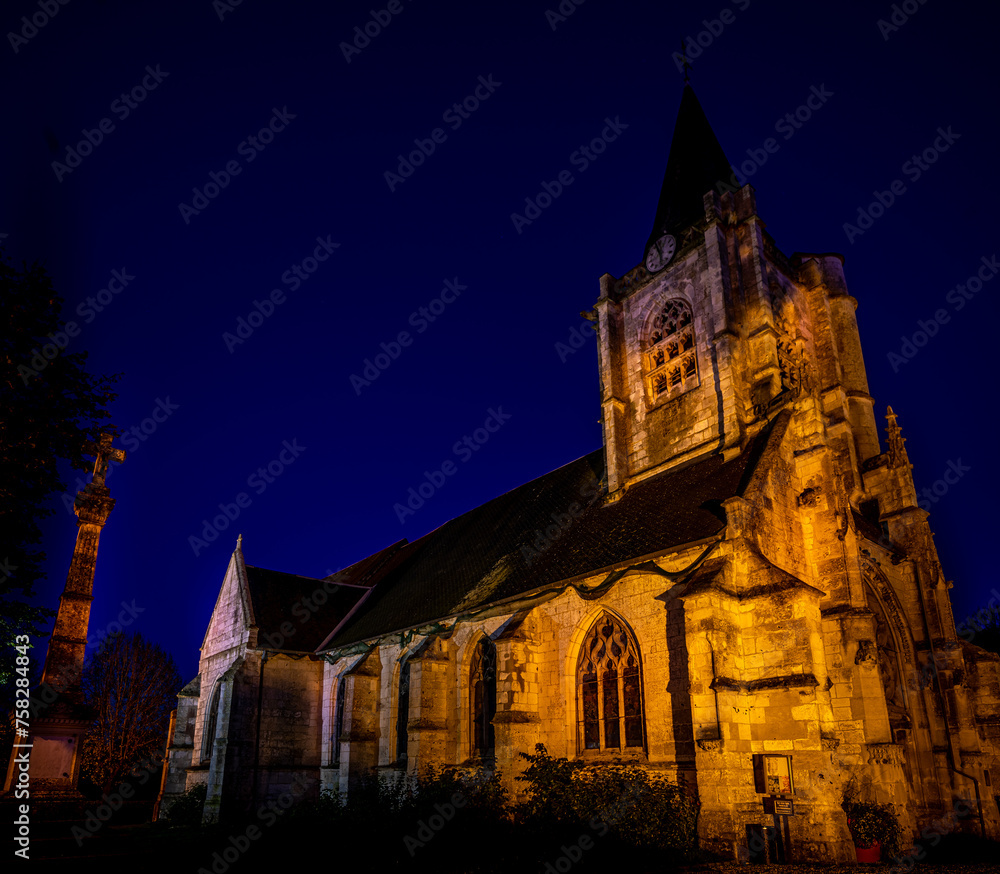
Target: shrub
[(480, 789), (641, 809), (872, 823), (187, 810), (328, 806)]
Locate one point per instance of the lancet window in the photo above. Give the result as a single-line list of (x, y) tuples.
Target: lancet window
[(483, 704), (211, 724), (403, 713), (338, 721)]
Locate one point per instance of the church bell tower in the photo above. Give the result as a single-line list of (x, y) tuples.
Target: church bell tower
[(703, 341)]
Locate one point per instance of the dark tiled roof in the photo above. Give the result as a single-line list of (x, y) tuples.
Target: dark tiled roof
[(278, 598), (544, 532), (362, 572)]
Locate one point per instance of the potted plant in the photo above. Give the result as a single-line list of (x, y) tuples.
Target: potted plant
[(874, 828)]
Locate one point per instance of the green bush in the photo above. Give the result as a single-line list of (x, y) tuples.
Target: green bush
[(480, 790), (328, 806), (872, 823), (187, 810), (463, 820), (640, 808)]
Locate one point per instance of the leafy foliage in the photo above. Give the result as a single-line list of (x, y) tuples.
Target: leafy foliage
[(639, 808), (52, 409), (132, 685), (414, 824), (461, 820), (550, 787), (872, 823), (187, 810)]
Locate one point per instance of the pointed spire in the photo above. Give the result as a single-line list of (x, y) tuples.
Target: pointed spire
[(685, 63), (895, 439), (239, 542), (695, 166)]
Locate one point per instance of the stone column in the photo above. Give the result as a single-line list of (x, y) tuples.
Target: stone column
[(517, 722), (359, 742), (59, 718), (430, 687)]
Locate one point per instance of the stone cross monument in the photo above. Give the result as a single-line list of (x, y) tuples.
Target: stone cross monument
[(59, 717)]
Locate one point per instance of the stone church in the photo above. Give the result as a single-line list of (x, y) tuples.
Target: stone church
[(738, 589)]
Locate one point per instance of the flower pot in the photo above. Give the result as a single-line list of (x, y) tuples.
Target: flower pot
[(868, 855)]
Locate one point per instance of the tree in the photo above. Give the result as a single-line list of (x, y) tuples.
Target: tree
[(51, 408), (131, 685)]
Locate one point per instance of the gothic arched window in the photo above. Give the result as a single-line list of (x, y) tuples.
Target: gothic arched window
[(403, 712), (338, 721), (670, 363), (609, 688), (483, 704)]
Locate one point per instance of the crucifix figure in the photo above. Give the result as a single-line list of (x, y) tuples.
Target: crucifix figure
[(105, 454)]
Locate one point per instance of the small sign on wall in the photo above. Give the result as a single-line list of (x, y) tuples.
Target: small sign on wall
[(779, 806), (772, 774)]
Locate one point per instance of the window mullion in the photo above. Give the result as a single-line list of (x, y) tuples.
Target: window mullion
[(600, 708), (622, 740)]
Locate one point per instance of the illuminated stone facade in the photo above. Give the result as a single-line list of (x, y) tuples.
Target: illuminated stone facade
[(740, 571)]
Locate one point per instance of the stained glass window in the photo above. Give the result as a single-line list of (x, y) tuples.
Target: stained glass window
[(609, 686)]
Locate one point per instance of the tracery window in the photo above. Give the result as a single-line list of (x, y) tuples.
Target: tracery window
[(403, 712), (609, 688), (670, 363), (483, 706)]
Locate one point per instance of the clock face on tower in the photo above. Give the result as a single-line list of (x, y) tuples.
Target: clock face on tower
[(660, 253)]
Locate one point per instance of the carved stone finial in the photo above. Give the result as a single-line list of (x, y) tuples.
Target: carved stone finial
[(895, 438)]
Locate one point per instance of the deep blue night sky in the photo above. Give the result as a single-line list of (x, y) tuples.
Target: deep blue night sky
[(228, 408)]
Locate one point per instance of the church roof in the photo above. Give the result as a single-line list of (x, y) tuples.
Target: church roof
[(547, 531), (695, 166), (300, 611)]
